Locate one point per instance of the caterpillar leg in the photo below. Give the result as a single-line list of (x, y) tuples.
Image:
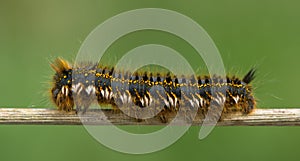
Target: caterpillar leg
[(249, 104), (78, 109), (162, 116), (85, 109)]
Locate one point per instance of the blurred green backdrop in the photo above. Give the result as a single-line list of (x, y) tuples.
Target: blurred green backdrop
[(248, 33)]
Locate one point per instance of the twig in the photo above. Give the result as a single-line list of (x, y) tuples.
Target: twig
[(40, 116)]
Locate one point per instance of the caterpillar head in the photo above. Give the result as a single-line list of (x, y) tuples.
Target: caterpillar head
[(61, 93)]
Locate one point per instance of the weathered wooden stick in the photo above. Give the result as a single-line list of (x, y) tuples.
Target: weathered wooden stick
[(41, 116)]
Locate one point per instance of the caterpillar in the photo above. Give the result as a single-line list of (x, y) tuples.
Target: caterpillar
[(75, 86)]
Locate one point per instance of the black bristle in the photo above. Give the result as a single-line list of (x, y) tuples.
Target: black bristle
[(199, 80), (158, 79), (111, 71), (249, 76), (207, 81), (168, 79), (145, 77), (176, 81)]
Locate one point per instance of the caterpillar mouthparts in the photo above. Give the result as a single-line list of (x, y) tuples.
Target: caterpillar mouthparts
[(88, 84)]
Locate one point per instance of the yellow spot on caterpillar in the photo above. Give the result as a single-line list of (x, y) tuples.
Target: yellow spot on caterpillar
[(98, 74)]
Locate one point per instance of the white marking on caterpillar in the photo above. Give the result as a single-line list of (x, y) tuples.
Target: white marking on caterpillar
[(171, 101), (192, 103), (129, 99), (80, 89), (106, 93), (150, 101), (219, 100), (146, 101), (167, 103), (90, 90), (224, 98), (196, 100), (236, 99), (121, 97), (125, 98), (110, 95), (75, 87), (102, 92), (175, 101), (142, 101), (65, 91), (201, 101)]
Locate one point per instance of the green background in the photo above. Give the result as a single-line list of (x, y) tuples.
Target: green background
[(265, 34)]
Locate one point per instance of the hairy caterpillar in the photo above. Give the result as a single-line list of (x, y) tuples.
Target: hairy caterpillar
[(147, 90)]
